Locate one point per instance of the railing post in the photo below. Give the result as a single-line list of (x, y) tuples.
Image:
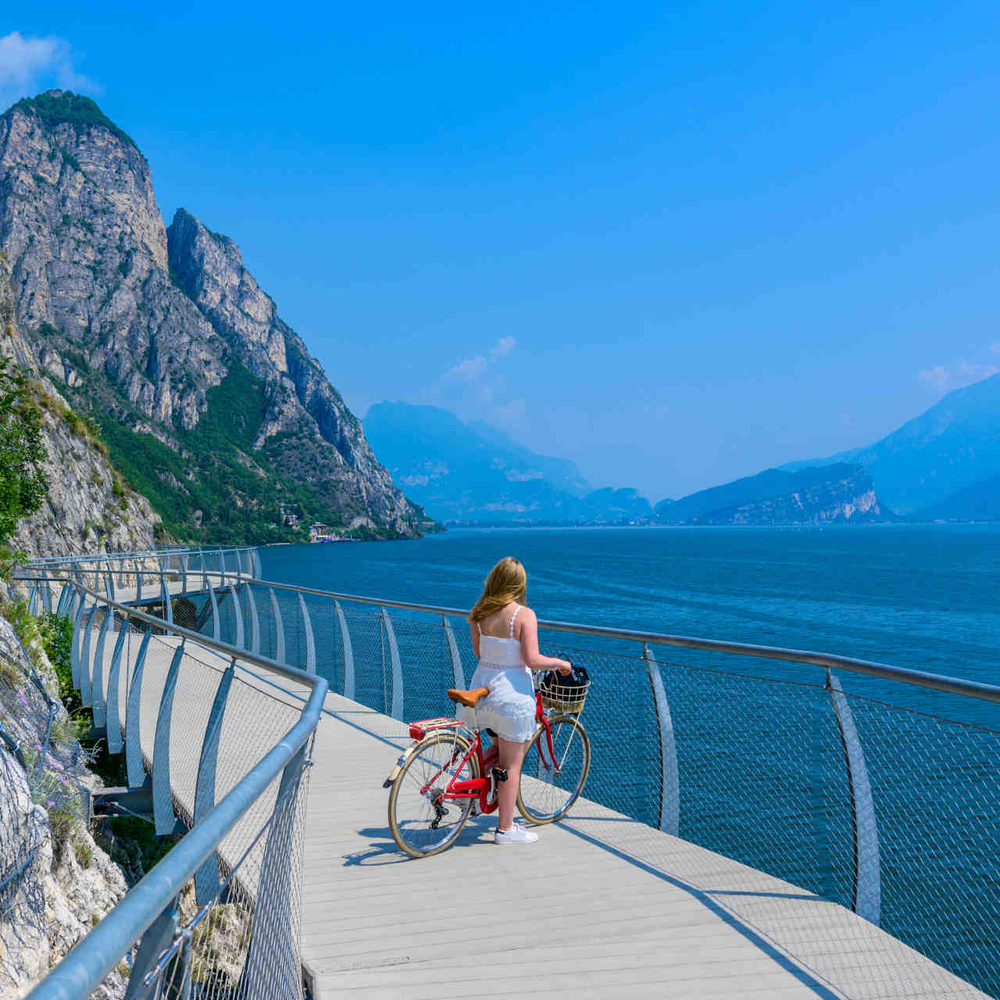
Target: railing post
[(206, 879), (61, 608), (74, 649), (32, 599), (216, 624), (345, 640), (238, 611), (256, 564), (138, 580), (222, 568), (109, 579), (254, 621), (158, 937), (275, 971), (310, 641), (168, 611), (279, 628), (397, 669), (669, 781), (867, 890), (85, 695), (184, 574), (97, 683), (163, 804), (133, 737), (114, 681), (458, 675)]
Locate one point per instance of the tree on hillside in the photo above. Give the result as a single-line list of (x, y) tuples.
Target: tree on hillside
[(23, 483)]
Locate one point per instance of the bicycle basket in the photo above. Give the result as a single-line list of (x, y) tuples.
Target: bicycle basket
[(565, 694)]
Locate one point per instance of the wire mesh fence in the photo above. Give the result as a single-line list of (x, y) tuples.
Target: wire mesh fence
[(847, 797), (752, 763), (205, 733), (238, 936)]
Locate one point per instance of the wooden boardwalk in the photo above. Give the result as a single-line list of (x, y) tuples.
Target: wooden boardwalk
[(601, 906)]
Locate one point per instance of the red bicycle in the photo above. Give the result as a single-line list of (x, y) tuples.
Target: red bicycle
[(445, 773)]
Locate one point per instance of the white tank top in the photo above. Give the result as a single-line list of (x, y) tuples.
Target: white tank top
[(494, 652)]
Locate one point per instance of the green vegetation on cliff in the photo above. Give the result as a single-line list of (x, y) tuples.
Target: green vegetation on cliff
[(239, 492), (23, 484), (64, 107)]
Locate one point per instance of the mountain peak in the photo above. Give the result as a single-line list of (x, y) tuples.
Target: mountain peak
[(62, 107)]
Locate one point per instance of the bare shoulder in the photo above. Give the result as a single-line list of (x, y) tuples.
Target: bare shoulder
[(527, 615)]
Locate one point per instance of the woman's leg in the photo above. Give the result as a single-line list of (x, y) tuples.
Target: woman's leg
[(511, 757)]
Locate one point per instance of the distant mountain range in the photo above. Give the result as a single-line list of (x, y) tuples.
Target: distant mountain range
[(826, 495), (473, 473), (944, 464)]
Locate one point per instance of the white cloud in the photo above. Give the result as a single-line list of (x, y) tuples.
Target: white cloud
[(467, 371), (28, 65), (503, 346), (944, 378)]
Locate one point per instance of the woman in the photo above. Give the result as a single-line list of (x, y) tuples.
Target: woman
[(505, 638)]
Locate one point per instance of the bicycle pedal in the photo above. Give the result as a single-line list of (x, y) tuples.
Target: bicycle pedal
[(499, 773)]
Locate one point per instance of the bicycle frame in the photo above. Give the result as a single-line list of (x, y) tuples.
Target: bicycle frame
[(479, 788)]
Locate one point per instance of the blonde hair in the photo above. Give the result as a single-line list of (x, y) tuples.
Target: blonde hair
[(507, 582)]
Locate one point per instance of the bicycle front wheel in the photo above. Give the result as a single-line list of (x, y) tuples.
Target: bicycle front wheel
[(553, 778), (422, 821)]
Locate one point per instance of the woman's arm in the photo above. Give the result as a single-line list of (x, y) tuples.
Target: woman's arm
[(475, 638), (534, 660)]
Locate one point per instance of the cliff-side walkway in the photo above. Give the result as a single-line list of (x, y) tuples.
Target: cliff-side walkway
[(601, 906)]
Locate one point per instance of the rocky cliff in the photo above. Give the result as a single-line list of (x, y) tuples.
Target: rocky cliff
[(88, 507), (67, 883), (837, 493), (933, 458), (210, 404)]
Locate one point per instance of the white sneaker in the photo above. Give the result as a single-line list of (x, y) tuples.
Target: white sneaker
[(515, 835)]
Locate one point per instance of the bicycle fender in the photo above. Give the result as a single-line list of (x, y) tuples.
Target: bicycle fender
[(401, 760)]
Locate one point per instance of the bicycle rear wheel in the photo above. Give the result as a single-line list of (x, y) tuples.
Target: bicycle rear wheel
[(551, 784), (421, 821)]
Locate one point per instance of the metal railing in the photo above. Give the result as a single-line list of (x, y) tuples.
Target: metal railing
[(864, 783), (817, 775), (218, 915), (139, 577)]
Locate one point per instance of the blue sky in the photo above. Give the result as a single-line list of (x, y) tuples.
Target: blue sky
[(676, 245)]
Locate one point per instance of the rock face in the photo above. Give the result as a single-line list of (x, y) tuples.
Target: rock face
[(836, 493), (88, 507), (210, 404), (932, 459), (69, 883)]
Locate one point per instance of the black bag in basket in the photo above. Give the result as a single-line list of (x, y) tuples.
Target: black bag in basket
[(576, 678)]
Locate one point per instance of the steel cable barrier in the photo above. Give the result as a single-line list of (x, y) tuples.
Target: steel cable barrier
[(217, 758), (864, 784)]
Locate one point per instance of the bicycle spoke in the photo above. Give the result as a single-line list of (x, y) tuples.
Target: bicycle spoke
[(560, 771), (423, 821)]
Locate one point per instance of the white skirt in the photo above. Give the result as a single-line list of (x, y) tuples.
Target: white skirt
[(509, 708)]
